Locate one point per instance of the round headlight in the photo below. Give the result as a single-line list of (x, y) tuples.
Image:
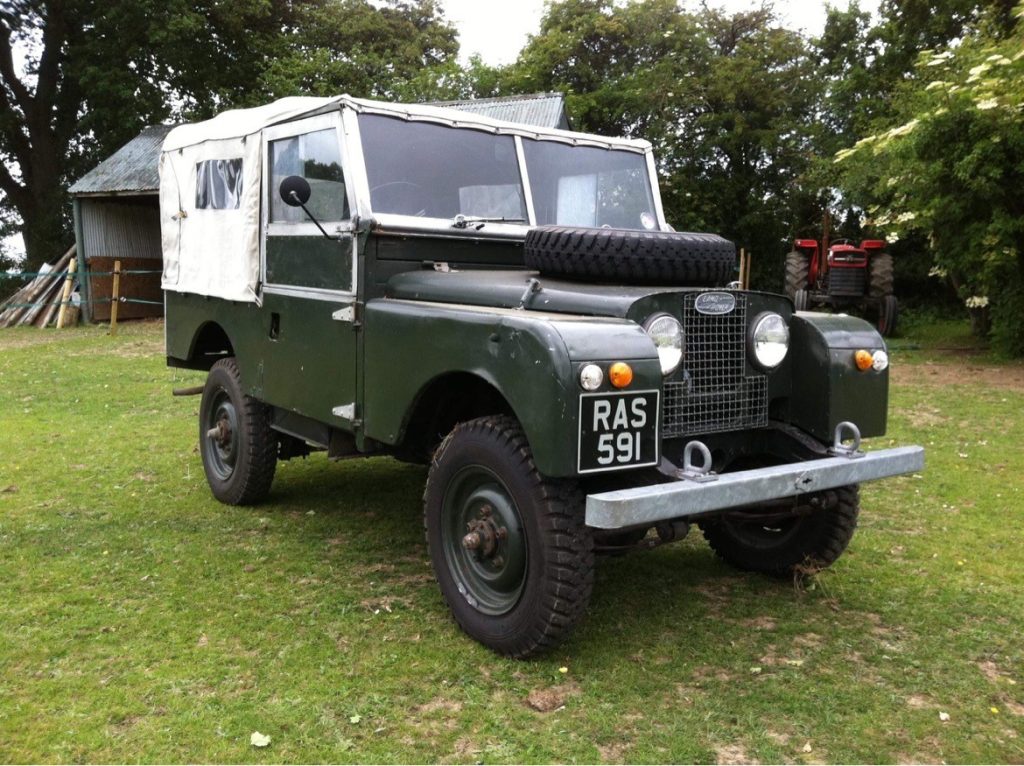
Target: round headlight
[(879, 360), (667, 334), (591, 377), (770, 339)]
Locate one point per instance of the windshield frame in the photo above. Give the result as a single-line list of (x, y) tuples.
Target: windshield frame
[(465, 121)]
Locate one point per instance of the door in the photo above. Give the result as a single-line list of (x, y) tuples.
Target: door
[(309, 280)]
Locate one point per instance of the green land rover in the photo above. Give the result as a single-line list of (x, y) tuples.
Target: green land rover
[(508, 305)]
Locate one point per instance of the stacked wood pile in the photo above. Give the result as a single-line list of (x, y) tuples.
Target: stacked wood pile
[(46, 300)]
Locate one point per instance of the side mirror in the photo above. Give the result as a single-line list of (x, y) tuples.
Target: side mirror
[(295, 191)]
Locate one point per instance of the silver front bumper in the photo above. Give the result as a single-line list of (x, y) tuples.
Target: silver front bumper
[(680, 499)]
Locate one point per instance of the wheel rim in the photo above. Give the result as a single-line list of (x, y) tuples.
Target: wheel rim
[(221, 434), (483, 541)]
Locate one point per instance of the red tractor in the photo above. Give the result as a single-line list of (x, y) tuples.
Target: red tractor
[(848, 277)]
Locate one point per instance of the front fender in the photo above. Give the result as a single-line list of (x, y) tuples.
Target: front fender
[(827, 386), (530, 358)]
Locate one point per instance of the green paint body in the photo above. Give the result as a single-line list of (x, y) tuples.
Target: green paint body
[(410, 329)]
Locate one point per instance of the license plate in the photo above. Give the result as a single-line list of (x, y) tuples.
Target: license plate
[(618, 430)]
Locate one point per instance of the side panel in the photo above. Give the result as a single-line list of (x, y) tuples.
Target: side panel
[(827, 386), (522, 354), (188, 314)]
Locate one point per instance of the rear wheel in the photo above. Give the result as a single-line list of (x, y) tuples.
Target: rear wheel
[(509, 547), (238, 447), (779, 546), (798, 267), (880, 275)]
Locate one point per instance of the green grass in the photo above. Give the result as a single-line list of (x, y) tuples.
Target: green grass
[(142, 621)]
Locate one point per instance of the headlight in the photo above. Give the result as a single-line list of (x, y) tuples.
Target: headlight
[(667, 334), (769, 339)]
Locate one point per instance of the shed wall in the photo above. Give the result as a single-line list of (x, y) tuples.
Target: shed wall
[(121, 228)]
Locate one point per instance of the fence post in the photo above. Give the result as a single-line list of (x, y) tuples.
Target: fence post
[(115, 297), (65, 297)]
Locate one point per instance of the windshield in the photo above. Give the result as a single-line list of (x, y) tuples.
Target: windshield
[(436, 171), (586, 186), (421, 169)]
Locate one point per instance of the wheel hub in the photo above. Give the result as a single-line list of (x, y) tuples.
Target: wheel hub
[(484, 535), (484, 542)]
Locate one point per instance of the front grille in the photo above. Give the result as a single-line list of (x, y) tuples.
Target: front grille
[(715, 393), (849, 281)]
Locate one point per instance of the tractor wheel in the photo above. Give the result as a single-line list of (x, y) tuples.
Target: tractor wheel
[(802, 300), (512, 556), (237, 444), (783, 547), (888, 316), (798, 267), (625, 256), (880, 275)]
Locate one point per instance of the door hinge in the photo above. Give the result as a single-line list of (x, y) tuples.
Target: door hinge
[(347, 314), (346, 411)]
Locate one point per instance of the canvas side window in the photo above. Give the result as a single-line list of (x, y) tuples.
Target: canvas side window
[(218, 184), (316, 157)]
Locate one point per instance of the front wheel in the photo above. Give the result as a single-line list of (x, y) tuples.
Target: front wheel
[(888, 315), (238, 447), (512, 556), (779, 546)]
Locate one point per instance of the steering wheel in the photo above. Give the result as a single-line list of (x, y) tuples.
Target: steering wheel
[(397, 193)]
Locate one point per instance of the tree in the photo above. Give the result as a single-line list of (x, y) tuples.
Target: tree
[(952, 169), (728, 100), (363, 49), (96, 71)]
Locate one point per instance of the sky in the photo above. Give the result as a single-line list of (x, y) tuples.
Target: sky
[(497, 29)]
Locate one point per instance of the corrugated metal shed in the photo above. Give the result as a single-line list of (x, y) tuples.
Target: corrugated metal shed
[(545, 110), (132, 169)]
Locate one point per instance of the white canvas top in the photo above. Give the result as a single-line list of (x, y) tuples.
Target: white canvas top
[(211, 242)]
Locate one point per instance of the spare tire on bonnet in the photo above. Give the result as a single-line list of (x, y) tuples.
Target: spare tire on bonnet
[(631, 256)]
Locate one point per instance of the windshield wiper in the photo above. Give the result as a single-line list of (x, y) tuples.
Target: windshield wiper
[(477, 222)]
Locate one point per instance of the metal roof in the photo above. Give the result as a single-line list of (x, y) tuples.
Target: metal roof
[(133, 168), (545, 110)]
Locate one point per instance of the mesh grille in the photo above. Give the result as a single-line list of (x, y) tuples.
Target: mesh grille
[(847, 281), (715, 394)]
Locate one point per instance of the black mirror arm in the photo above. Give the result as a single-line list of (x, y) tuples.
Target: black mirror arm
[(312, 217)]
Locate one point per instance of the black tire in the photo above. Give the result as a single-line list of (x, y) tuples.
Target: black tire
[(802, 300), (888, 316), (802, 543), (239, 461), (627, 256), (798, 271), (525, 595), (880, 275)]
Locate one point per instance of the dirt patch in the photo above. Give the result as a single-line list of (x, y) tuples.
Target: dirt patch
[(920, 702), (925, 417), (1010, 376), (735, 753), (759, 623), (707, 673), (436, 704), (808, 640), (612, 753), (552, 698), (991, 672)]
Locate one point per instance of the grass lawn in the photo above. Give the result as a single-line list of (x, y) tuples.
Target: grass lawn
[(142, 621)]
